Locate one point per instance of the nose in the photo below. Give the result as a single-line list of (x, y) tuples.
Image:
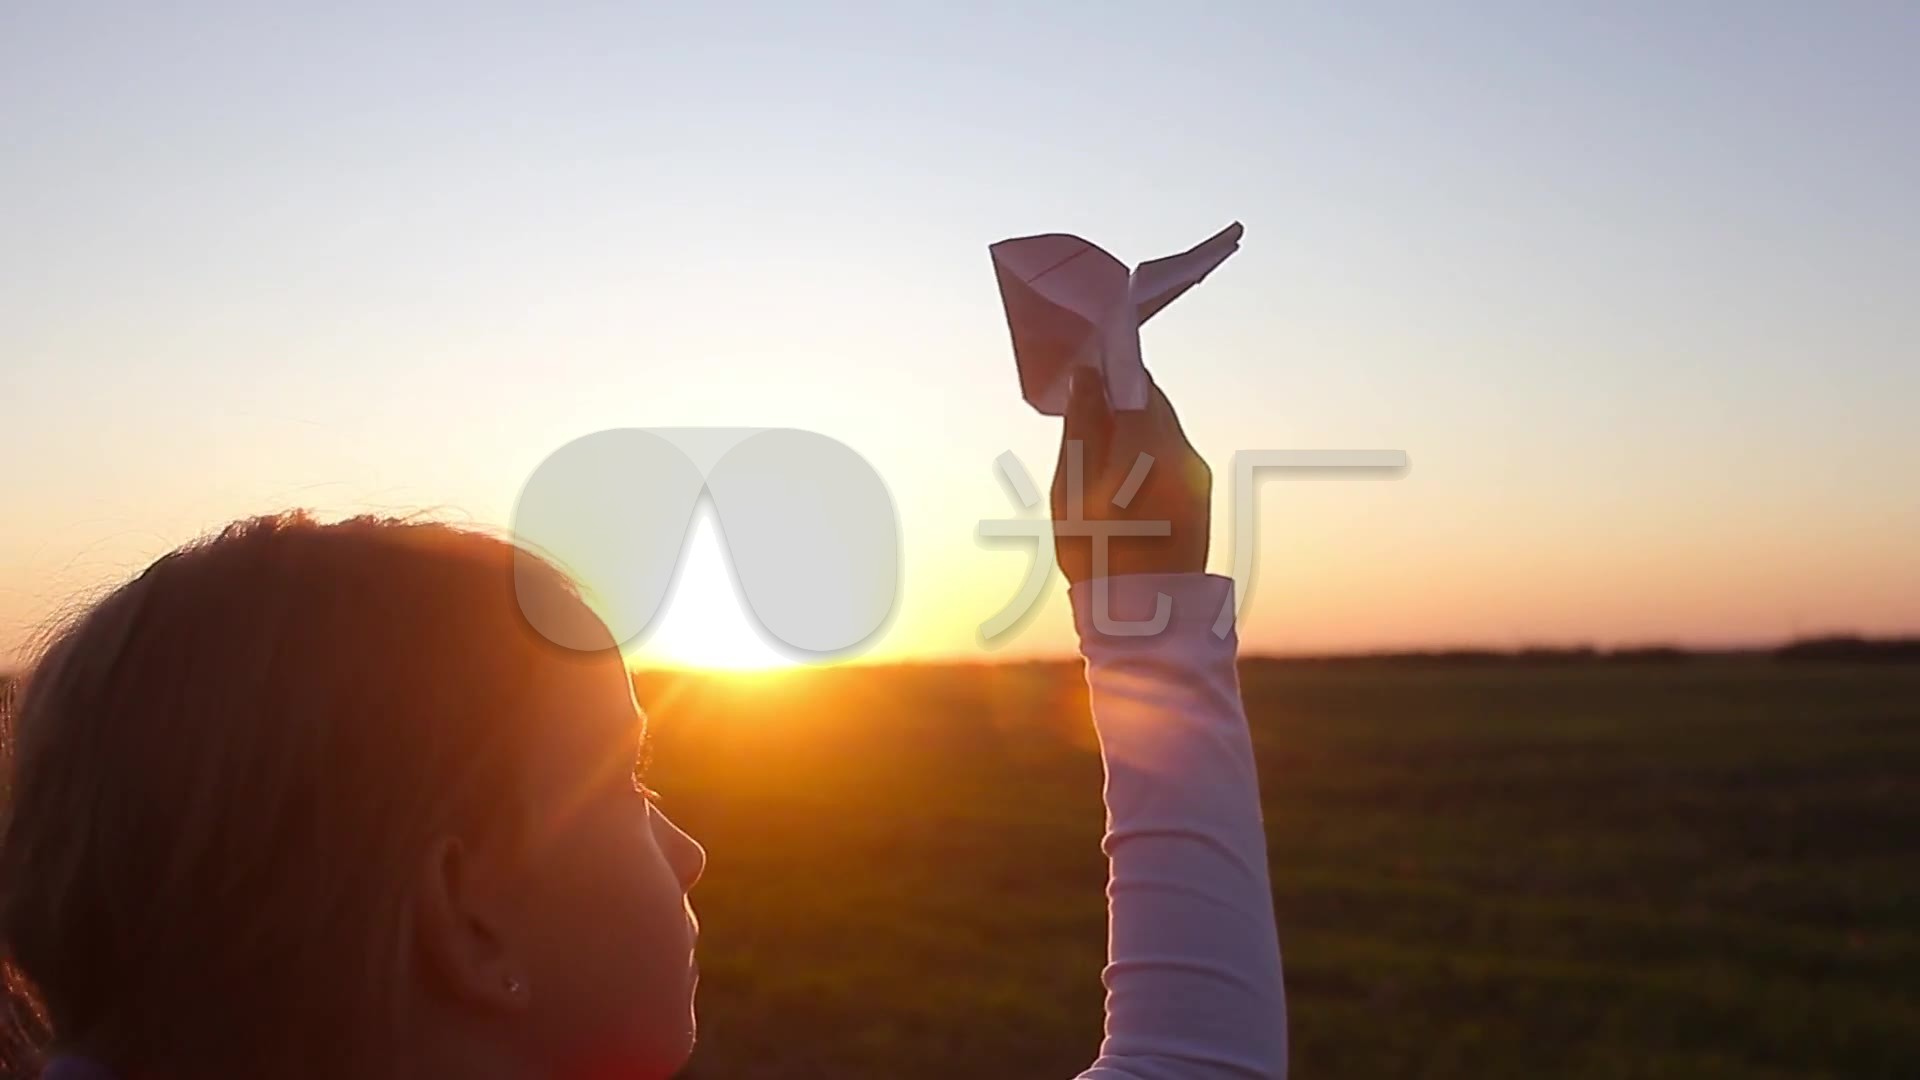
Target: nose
[(687, 858)]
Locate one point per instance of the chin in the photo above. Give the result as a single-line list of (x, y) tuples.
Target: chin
[(683, 1049), (653, 1046), (693, 1013)]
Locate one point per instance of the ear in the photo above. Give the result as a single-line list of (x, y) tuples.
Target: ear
[(459, 918)]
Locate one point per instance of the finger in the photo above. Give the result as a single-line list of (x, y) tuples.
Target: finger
[(1169, 419), (1162, 408), (1088, 419), (1176, 443), (1145, 430)]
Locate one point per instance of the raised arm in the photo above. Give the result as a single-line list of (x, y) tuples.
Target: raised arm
[(1193, 972), (1193, 977)]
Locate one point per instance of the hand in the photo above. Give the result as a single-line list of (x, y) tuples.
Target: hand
[(1163, 528)]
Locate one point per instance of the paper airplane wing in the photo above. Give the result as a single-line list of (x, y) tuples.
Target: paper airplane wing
[(1160, 282)]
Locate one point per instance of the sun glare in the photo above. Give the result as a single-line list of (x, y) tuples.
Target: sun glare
[(706, 624)]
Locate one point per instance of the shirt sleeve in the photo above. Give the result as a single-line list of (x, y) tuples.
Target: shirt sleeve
[(1193, 980)]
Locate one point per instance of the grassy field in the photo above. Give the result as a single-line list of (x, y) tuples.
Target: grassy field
[(1696, 869)]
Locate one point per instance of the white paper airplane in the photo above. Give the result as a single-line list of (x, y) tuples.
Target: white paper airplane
[(1071, 305)]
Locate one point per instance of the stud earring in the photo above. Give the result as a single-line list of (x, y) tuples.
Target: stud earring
[(513, 986)]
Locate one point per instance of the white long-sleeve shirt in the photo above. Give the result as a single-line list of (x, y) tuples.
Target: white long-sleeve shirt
[(1193, 979)]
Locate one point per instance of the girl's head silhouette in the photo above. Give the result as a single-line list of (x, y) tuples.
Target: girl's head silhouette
[(311, 799)]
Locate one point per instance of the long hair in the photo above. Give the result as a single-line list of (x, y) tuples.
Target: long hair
[(220, 781), (23, 1021)]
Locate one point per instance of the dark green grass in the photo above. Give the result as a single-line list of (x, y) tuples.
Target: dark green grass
[(1674, 870)]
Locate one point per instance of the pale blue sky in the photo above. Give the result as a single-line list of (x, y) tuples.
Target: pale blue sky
[(1633, 284)]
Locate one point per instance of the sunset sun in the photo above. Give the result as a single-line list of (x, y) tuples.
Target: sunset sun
[(705, 622)]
